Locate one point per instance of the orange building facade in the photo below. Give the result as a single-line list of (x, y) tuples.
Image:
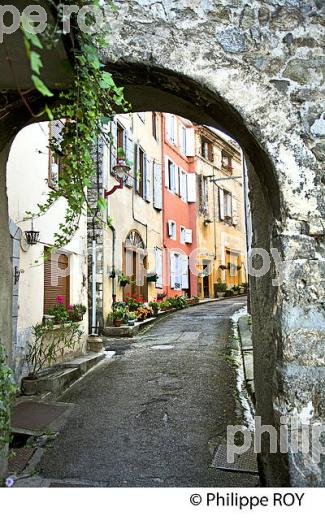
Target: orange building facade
[(179, 206)]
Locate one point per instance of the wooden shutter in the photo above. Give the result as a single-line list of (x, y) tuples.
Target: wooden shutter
[(234, 211), (157, 186), (137, 167), (129, 156), (221, 204), (167, 172), (158, 267), (56, 280), (188, 236), (191, 187), (190, 142), (172, 270), (113, 147), (185, 284), (148, 179)]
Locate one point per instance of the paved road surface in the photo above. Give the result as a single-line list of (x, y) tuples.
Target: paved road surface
[(153, 417)]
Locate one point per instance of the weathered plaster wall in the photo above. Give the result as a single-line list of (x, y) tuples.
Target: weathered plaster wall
[(255, 70)]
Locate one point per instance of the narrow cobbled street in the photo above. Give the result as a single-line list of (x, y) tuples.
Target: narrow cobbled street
[(154, 416)]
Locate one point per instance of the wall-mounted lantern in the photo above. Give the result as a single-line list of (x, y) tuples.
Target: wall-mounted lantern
[(121, 171), (32, 236)]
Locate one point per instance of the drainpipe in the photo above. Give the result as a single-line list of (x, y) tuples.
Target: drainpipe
[(214, 217), (93, 298), (113, 262)]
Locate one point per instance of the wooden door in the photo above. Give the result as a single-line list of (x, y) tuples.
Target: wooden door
[(56, 280)]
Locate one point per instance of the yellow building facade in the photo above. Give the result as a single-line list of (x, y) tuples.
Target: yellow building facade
[(221, 241), (133, 242)]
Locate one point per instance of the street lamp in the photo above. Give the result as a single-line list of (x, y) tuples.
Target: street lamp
[(121, 171)]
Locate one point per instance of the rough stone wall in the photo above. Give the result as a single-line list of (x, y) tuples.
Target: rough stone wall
[(255, 70)]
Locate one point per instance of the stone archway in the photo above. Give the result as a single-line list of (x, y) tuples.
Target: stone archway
[(251, 71)]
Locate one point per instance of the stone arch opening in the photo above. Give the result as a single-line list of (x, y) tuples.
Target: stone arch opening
[(150, 89)]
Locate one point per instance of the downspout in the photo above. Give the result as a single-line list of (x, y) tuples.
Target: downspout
[(214, 217), (113, 262)]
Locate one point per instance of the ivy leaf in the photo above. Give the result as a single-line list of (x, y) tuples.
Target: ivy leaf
[(41, 87), (102, 203), (32, 37), (35, 62), (107, 81), (49, 113)]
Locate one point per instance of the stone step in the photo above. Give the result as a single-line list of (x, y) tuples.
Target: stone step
[(86, 362)]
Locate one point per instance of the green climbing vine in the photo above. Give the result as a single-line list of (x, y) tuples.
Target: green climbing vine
[(86, 109), (7, 394)]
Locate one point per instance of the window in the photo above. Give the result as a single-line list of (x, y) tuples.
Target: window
[(120, 137), (204, 203), (207, 149), (155, 126), (186, 235), (172, 229), (56, 279), (179, 275), (140, 172), (225, 205), (172, 176), (226, 161), (183, 234), (55, 158)]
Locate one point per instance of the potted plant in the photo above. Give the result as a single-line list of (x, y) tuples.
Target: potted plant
[(155, 307), (76, 312), (221, 289), (59, 311), (123, 280), (131, 317), (152, 277), (164, 305), (47, 344), (117, 316)]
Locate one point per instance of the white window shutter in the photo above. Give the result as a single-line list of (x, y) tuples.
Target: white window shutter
[(158, 267), (148, 180), (157, 186), (166, 172), (177, 179), (182, 184), (170, 228), (113, 146), (185, 281), (129, 156), (234, 211), (190, 142), (137, 167), (172, 187), (221, 204), (170, 127), (188, 236), (172, 270), (191, 187)]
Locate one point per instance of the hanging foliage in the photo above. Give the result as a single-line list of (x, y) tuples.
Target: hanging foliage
[(85, 108)]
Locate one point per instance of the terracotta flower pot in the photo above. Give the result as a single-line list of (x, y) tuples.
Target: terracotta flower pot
[(29, 385), (117, 323)]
